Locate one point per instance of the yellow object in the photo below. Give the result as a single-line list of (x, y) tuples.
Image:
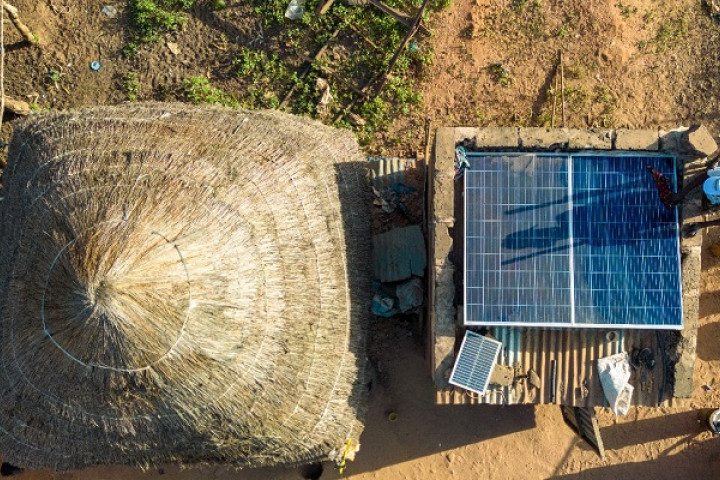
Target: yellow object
[(348, 449)]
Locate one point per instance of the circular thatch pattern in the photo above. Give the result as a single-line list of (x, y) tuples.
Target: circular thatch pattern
[(181, 284)]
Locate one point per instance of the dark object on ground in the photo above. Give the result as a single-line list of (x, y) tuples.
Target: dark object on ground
[(642, 358), (7, 470), (585, 424), (692, 229), (312, 472)]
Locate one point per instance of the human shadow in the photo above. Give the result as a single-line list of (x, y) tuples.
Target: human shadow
[(596, 224)]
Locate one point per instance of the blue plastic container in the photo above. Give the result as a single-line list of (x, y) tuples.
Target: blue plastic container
[(711, 188)]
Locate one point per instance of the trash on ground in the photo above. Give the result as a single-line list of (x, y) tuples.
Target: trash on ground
[(409, 294), (383, 306), (326, 97), (390, 198), (109, 11), (614, 377), (95, 66), (533, 379), (461, 161), (173, 47), (295, 9), (644, 358)]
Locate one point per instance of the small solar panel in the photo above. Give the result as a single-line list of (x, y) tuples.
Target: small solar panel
[(570, 241), (475, 362)]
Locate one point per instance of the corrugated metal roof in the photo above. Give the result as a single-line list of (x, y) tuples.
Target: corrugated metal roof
[(386, 171), (575, 353)]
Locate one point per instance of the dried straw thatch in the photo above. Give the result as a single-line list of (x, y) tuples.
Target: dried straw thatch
[(181, 284)]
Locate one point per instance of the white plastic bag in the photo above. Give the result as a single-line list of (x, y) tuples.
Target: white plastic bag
[(614, 377), (295, 10)]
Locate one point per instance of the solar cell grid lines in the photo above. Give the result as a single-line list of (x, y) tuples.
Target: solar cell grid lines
[(475, 362), (570, 241)]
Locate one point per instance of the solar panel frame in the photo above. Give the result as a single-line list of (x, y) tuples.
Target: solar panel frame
[(548, 313), (477, 352)]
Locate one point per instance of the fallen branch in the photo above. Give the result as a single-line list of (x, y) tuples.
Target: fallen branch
[(22, 28), (398, 15), (562, 87), (412, 30), (323, 7)]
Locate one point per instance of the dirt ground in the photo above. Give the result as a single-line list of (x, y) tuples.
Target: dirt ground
[(637, 64)]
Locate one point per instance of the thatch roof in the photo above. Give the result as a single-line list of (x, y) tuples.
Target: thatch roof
[(181, 284)]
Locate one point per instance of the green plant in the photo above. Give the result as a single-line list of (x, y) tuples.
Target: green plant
[(218, 4), (576, 98), (198, 90), (626, 10), (131, 85), (562, 31), (54, 76), (670, 33), (248, 60), (574, 71), (150, 18), (501, 74), (268, 73), (604, 97)]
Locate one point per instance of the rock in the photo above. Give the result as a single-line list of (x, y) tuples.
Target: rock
[(18, 107), (502, 375), (699, 139), (533, 379), (173, 47)]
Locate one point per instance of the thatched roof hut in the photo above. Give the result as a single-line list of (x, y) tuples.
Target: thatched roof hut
[(181, 284)]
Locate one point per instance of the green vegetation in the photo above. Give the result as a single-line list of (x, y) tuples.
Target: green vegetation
[(131, 86), (355, 59), (150, 18), (501, 74), (576, 99), (198, 90), (280, 60), (54, 76), (626, 10), (670, 33), (574, 71), (604, 97)]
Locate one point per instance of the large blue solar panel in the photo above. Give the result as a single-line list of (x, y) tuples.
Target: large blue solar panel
[(559, 240)]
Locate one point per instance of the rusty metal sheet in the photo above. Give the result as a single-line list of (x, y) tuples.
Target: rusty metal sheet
[(575, 353)]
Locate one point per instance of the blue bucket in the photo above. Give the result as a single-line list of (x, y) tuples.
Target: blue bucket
[(711, 188)]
